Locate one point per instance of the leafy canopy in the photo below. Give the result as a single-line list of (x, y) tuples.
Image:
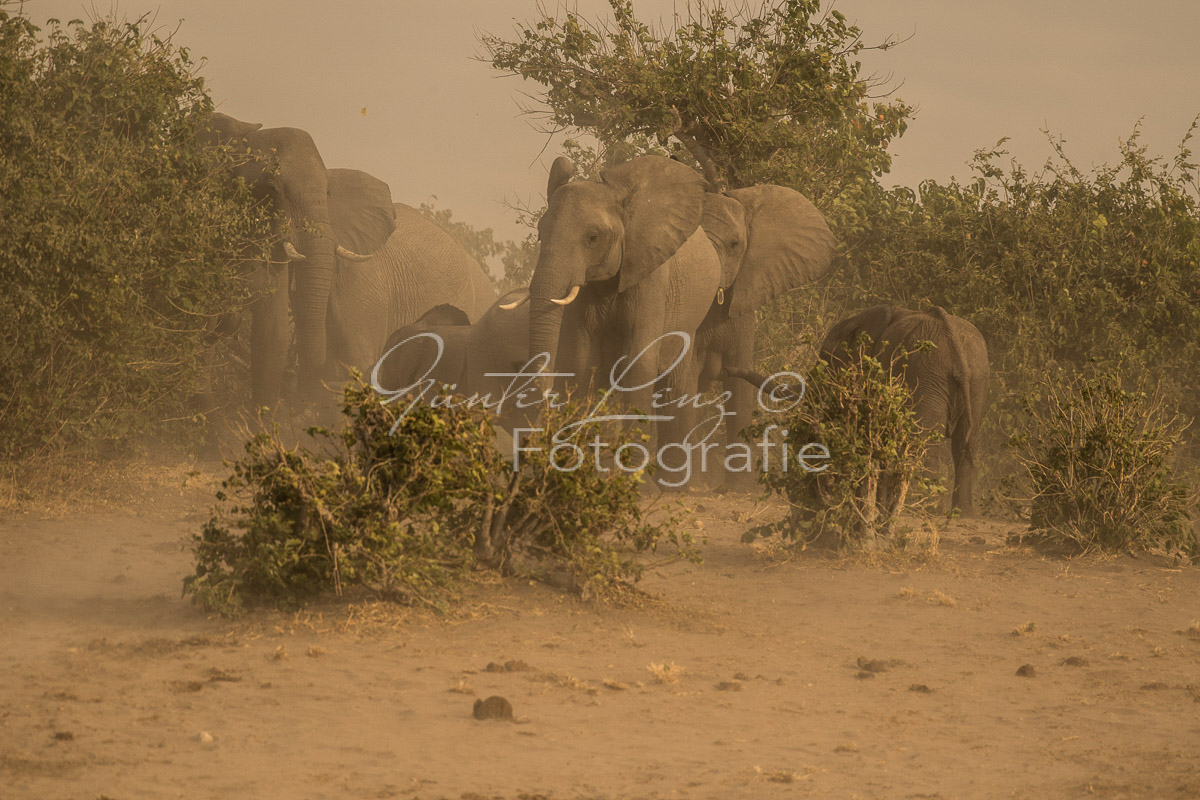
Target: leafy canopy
[(768, 95)]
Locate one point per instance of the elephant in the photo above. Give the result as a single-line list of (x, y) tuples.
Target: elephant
[(353, 265), (770, 239), (419, 268), (625, 271), (285, 169), (948, 383), (497, 343)]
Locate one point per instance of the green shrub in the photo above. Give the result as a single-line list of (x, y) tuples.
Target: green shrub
[(406, 500), (1098, 457), (120, 240), (861, 412)]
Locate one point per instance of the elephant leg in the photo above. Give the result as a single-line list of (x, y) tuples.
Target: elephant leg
[(576, 361), (687, 441), (269, 335), (962, 446), (740, 354)]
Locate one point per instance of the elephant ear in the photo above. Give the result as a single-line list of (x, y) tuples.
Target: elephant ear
[(662, 202), (789, 244), (445, 314), (360, 210), (724, 221), (561, 172)]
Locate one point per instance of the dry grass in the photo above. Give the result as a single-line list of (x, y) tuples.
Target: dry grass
[(1192, 630), (462, 687), (940, 598), (566, 681), (784, 775), (1025, 630), (667, 672)]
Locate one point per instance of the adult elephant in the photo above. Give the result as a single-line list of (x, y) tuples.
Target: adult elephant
[(419, 267), (770, 239), (353, 266), (285, 169), (948, 382), (443, 347), (623, 263)]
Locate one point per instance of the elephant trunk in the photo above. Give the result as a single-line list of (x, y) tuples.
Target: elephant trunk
[(314, 280), (554, 286), (545, 323)]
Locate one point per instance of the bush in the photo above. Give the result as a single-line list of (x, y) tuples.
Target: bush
[(861, 412), (405, 501), (1098, 457), (121, 237)]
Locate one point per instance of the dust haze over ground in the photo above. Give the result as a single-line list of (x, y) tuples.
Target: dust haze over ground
[(747, 676)]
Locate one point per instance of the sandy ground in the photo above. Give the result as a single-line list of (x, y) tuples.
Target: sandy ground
[(744, 679)]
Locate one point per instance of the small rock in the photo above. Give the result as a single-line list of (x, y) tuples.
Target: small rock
[(1026, 671), (495, 707), (1153, 686), (741, 676), (729, 686), (64, 736), (204, 737), (1074, 661), (921, 688), (977, 540), (863, 675)]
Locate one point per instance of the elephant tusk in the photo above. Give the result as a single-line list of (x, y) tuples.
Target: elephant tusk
[(350, 255), (292, 253), (516, 303), (566, 301)]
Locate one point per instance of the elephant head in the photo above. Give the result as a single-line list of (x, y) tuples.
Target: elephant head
[(844, 334), (410, 354), (770, 239), (328, 214), (606, 236)]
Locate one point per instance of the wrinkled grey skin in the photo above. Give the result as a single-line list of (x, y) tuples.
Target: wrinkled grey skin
[(770, 240), (300, 189), (497, 342), (420, 267), (948, 383), (632, 245)]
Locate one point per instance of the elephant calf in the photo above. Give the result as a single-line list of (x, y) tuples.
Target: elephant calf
[(497, 343), (948, 383)]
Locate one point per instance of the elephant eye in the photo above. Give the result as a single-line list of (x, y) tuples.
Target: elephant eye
[(592, 237)]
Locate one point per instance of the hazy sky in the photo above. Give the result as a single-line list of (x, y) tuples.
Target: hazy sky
[(440, 124)]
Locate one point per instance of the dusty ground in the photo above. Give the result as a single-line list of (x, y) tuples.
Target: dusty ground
[(743, 681)]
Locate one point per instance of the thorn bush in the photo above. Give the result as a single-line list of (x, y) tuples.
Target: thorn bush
[(861, 410), (406, 500), (1099, 461)]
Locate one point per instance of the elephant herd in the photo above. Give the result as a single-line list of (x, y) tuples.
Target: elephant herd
[(645, 290)]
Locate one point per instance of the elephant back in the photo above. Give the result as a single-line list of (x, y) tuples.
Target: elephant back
[(431, 268)]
